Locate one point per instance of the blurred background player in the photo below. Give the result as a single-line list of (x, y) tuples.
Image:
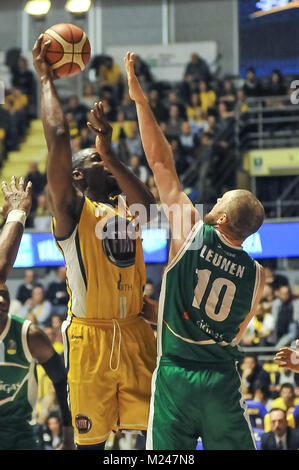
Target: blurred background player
[(22, 343), (110, 351), (209, 293)]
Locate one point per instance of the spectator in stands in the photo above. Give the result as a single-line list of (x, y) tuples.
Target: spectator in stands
[(181, 163), (287, 399), (143, 73), (197, 70), (228, 94), (149, 289), (42, 219), (174, 122), (252, 86), (23, 79), (56, 324), (241, 105), (193, 103), (198, 123), (78, 110), (86, 140), (24, 291), (57, 293), (38, 180), (159, 110), (110, 76), (276, 85), (38, 306), (280, 377), (253, 377), (260, 328), (121, 127), (51, 432), (188, 141), (263, 396), (139, 170), (173, 100), (281, 436), (51, 333), (283, 313), (133, 141), (207, 96), (89, 97)]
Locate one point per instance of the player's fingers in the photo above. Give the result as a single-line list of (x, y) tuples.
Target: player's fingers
[(93, 129), (28, 189), (13, 183), (4, 188), (44, 49), (37, 45), (21, 183)]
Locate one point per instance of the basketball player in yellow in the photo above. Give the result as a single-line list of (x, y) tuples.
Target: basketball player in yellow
[(110, 351)]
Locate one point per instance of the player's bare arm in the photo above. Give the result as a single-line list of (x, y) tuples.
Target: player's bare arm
[(160, 159), (64, 197), (259, 293), (135, 191), (42, 350), (17, 198)]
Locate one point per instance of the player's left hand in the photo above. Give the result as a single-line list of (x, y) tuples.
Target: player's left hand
[(100, 126), (17, 196), (150, 310)]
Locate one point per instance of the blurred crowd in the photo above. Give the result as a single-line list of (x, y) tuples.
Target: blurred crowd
[(201, 116)]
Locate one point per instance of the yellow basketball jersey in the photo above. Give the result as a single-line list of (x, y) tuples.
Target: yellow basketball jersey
[(105, 264)]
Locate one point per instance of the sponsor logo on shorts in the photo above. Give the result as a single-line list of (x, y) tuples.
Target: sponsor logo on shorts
[(83, 424)]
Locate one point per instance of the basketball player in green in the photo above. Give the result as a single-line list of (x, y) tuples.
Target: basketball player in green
[(22, 344), (209, 293)]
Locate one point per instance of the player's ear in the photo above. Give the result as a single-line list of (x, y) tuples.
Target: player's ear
[(223, 219)]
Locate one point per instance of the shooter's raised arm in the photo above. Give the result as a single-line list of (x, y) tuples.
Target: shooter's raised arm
[(59, 164)]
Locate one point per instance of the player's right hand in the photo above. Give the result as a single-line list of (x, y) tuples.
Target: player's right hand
[(288, 358), (42, 67), (17, 196)]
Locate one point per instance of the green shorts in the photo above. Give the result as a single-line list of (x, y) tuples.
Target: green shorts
[(198, 400), (21, 437)]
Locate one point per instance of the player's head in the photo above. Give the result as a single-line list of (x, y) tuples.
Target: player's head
[(238, 212), (4, 300), (89, 173)]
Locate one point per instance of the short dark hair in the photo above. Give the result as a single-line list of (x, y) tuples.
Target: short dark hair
[(78, 158), (288, 385)]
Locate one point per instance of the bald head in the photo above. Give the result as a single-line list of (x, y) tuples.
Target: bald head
[(240, 211)]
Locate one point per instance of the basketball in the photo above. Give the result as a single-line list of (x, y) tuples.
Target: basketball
[(69, 51)]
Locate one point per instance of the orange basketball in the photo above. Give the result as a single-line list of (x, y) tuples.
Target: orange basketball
[(69, 51)]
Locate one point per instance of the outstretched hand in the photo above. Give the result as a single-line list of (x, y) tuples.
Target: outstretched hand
[(42, 67), (100, 126), (135, 91), (17, 196)]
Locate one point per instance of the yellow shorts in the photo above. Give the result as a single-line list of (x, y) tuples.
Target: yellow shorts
[(110, 365)]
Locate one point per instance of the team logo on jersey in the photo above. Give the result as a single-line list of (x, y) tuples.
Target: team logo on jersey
[(119, 242), (12, 347), (83, 424)]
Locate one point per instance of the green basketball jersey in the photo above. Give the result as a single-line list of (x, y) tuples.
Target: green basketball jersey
[(18, 380), (207, 291)]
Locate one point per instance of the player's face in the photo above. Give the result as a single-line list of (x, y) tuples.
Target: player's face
[(4, 300), (97, 175)]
